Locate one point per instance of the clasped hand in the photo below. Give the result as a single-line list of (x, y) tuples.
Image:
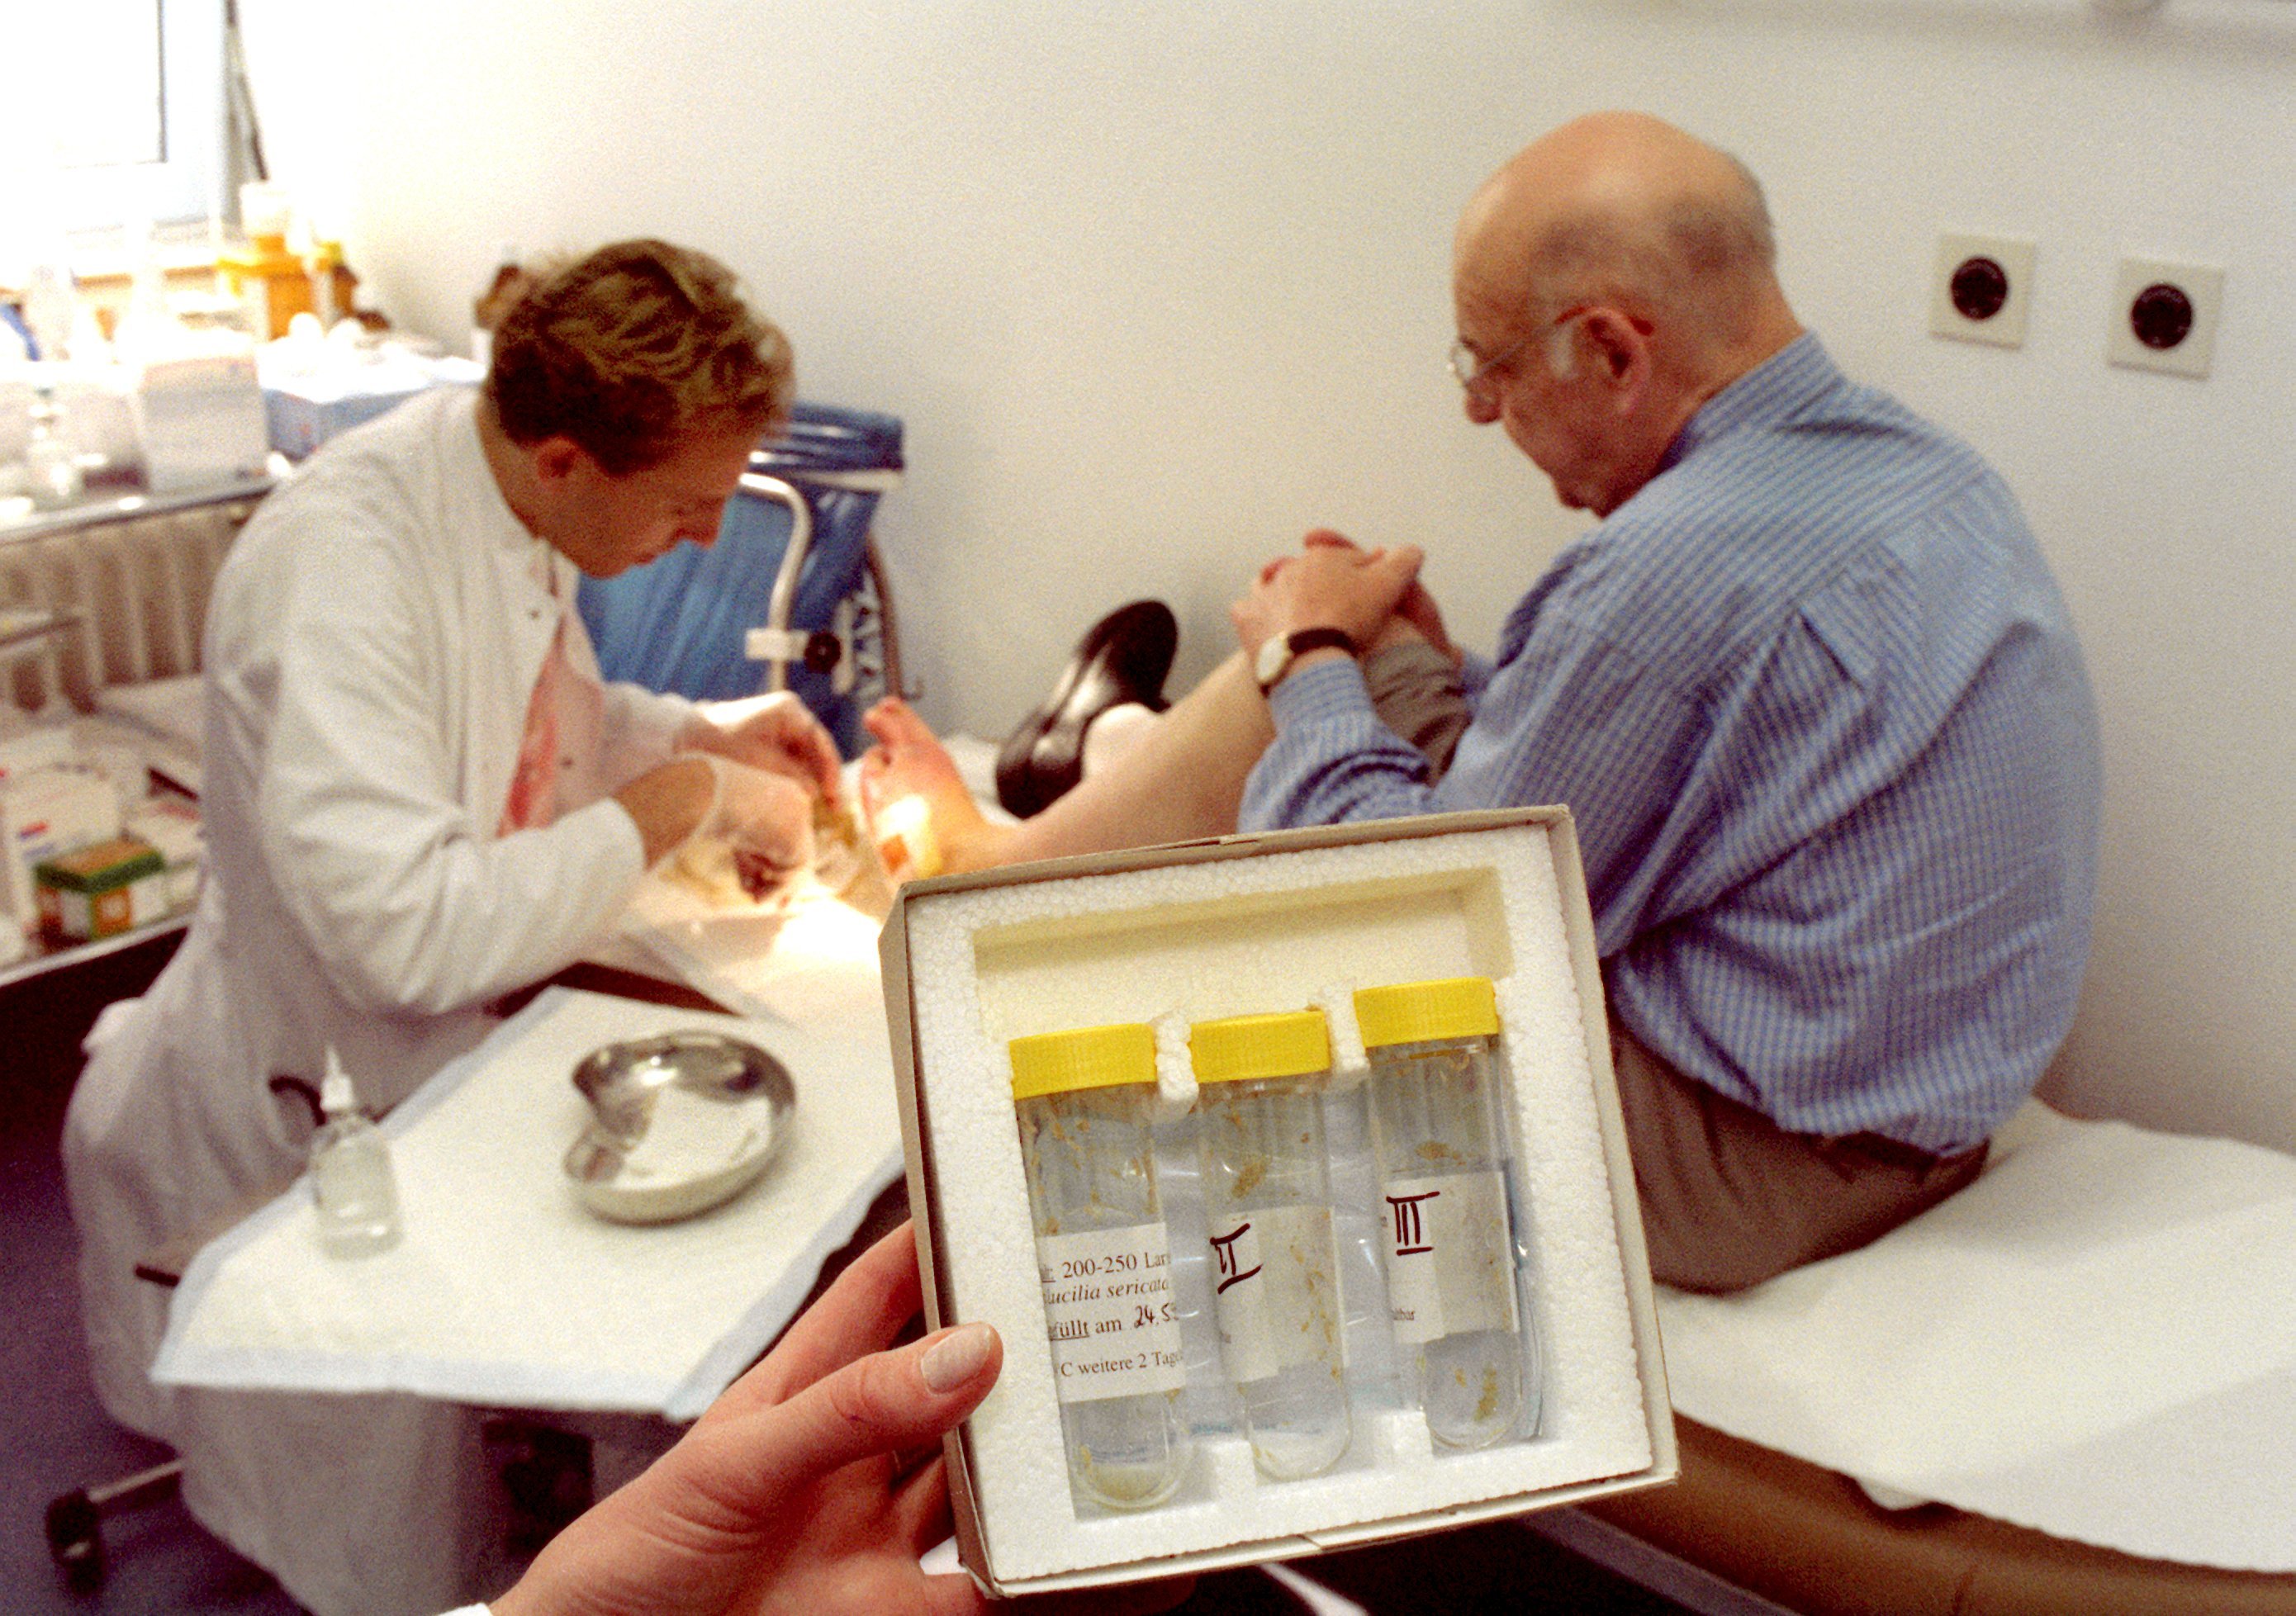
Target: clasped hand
[(1372, 595)]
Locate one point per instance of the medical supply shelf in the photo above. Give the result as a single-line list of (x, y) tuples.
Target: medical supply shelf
[(47, 958), (119, 504), (122, 578)]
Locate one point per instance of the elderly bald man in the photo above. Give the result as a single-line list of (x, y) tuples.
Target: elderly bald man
[(1808, 687)]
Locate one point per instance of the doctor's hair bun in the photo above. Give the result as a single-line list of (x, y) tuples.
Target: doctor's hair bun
[(633, 350)]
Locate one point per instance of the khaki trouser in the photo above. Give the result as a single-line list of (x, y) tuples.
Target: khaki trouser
[(1729, 1198)]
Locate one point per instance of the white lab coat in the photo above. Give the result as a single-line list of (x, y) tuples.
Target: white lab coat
[(372, 648)]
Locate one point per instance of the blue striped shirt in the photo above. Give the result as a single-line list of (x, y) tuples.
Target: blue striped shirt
[(1818, 712)]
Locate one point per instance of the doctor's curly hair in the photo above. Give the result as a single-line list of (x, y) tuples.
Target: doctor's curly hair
[(632, 351)]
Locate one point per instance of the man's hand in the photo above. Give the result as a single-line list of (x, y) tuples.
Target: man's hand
[(765, 818), (773, 732), (790, 1495), (1331, 584), (1415, 613)]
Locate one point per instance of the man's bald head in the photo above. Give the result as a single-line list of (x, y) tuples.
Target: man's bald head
[(1637, 264), (1625, 210)]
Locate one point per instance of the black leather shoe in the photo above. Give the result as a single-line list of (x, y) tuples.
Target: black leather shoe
[(1122, 658)]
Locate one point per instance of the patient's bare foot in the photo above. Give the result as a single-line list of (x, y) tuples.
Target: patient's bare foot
[(909, 761)]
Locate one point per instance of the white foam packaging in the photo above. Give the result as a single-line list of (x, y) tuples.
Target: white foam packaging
[(1243, 924)]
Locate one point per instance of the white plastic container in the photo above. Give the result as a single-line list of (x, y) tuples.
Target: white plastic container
[(51, 467), (1439, 1127), (1086, 1101), (1267, 1209)]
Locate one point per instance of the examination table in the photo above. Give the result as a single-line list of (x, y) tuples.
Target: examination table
[(2097, 1341), (1808, 1539)]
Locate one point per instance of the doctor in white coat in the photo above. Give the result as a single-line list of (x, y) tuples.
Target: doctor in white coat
[(419, 797)]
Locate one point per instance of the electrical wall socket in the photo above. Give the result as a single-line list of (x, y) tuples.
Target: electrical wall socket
[(2163, 316), (1981, 289)]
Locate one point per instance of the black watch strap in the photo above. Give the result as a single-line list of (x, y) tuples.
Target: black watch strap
[(1304, 640), (1295, 645)]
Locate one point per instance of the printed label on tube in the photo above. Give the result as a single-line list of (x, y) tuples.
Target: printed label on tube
[(1275, 1290), (1108, 1304), (1450, 1256)]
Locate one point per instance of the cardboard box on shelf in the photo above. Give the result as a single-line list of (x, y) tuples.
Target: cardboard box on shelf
[(44, 812), (1170, 936), (101, 890), (199, 415), (313, 391), (171, 825)]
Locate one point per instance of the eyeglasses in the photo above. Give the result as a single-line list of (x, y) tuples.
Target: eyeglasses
[(1474, 372)]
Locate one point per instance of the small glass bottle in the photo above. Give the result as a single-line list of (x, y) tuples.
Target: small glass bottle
[(50, 466), (1267, 1209), (350, 1174), (1087, 1106), (1438, 1129)]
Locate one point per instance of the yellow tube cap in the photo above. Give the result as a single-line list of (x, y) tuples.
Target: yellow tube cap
[(1089, 1057), (1414, 1013), (1289, 1044)]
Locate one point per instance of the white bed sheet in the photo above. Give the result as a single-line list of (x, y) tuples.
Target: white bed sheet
[(2097, 1339)]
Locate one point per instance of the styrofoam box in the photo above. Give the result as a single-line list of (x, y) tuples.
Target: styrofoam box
[(1173, 935)]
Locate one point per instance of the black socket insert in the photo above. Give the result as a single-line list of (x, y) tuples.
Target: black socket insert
[(1979, 288), (2161, 316)]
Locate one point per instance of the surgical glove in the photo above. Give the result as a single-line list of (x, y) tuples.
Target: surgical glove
[(775, 732), (765, 818)]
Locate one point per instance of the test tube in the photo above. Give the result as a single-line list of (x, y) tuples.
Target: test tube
[(1087, 1104), (1267, 1207), (1438, 1129)]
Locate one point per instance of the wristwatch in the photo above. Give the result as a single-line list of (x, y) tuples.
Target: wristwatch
[(1278, 652)]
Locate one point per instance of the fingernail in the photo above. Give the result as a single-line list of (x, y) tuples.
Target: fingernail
[(957, 1357)]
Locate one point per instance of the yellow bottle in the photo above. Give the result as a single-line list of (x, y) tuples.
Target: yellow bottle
[(272, 283)]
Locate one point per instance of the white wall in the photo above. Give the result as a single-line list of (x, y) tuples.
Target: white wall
[(1157, 288)]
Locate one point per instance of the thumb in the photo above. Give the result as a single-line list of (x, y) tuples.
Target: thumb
[(1397, 568), (888, 1402), (811, 748)]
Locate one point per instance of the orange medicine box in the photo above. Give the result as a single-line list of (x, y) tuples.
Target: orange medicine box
[(103, 889)]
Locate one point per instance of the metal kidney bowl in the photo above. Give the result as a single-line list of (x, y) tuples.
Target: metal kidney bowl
[(678, 1124)]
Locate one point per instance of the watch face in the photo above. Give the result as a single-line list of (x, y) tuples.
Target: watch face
[(1275, 652)]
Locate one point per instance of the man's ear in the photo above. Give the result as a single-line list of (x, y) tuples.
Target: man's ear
[(555, 459), (1621, 353)]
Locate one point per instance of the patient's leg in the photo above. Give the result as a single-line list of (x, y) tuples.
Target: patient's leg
[(1182, 778)]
